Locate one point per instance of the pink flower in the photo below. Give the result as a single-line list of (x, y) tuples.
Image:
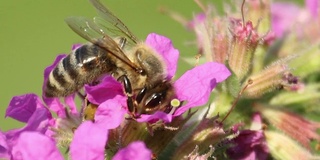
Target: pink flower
[(193, 87), (22, 107), (313, 7), (29, 109), (283, 17), (286, 16)]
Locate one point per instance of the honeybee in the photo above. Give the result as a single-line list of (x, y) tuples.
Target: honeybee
[(113, 50)]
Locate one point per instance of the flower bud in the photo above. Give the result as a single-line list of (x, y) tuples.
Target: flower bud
[(282, 147), (297, 127), (267, 80), (243, 44)]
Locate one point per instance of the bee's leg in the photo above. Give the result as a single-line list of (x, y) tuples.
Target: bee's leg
[(128, 89), (141, 94), (122, 42)]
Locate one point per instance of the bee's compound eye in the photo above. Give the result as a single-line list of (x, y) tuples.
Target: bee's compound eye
[(155, 100)]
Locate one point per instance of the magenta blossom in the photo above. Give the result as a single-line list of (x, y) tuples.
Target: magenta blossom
[(193, 87), (285, 16), (20, 143), (36, 136), (29, 109)]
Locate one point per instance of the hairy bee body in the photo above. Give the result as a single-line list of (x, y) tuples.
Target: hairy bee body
[(82, 66)]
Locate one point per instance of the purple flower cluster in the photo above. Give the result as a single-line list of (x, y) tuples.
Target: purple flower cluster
[(39, 137)]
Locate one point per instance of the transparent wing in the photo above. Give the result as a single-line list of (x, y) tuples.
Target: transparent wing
[(90, 31), (85, 27), (112, 25)]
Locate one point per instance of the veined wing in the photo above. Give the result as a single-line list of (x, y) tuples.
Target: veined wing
[(85, 27), (111, 24), (88, 30)]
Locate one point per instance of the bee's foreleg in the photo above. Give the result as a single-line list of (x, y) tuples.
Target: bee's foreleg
[(141, 94), (128, 91)]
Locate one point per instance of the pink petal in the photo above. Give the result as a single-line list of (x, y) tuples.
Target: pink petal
[(164, 47), (89, 142), (71, 103), (283, 16), (313, 7), (55, 105), (35, 146), (22, 107), (195, 85), (109, 88), (134, 151), (154, 117), (39, 121), (110, 114), (4, 148)]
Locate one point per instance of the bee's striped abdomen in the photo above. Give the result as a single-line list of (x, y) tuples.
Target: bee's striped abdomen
[(61, 80), (82, 66)]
